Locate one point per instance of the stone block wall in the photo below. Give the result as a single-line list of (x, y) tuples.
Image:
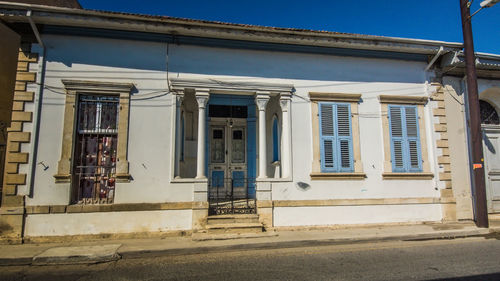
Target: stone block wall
[(12, 204)]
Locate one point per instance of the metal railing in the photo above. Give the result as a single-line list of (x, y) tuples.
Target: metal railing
[(231, 196)]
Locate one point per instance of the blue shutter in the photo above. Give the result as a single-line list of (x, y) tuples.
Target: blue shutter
[(327, 137), (344, 138), (405, 139), (336, 138), (396, 129), (414, 159)]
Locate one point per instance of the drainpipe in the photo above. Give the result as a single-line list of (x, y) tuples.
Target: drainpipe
[(34, 28), (436, 56), (37, 105), (429, 123)]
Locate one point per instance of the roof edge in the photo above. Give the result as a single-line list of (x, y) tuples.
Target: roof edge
[(170, 25)]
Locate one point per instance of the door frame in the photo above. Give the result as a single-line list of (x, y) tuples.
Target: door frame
[(488, 174), (251, 131)]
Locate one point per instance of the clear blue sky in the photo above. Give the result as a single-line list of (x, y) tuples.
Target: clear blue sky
[(422, 19)]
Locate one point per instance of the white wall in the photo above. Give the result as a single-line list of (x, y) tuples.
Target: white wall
[(308, 216), (105, 223)]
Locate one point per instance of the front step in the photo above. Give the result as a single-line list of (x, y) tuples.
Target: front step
[(227, 219), (241, 227), (234, 224), (200, 236)]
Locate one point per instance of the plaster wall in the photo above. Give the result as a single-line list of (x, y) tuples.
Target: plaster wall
[(307, 216), (104, 223), (457, 140), (150, 124)]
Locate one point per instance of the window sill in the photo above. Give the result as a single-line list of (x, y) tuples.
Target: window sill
[(61, 178), (123, 178), (338, 176), (407, 176)]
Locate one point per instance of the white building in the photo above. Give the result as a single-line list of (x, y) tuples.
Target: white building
[(135, 124)]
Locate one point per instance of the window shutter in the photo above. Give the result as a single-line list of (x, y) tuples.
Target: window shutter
[(327, 137), (413, 140), (397, 138), (344, 137)]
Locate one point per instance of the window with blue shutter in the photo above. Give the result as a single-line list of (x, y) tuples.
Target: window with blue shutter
[(405, 139), (335, 137)]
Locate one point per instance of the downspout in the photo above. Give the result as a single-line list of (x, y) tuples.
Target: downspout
[(37, 105), (34, 28), (429, 123), (436, 56)]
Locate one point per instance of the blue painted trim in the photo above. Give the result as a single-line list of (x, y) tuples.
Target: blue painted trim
[(276, 139), (238, 178), (217, 179), (345, 138), (323, 138), (225, 43)]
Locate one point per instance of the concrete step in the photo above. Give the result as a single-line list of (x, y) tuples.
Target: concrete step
[(234, 228), (239, 218), (231, 236)]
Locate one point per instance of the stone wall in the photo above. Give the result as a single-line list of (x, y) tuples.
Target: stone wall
[(12, 204)]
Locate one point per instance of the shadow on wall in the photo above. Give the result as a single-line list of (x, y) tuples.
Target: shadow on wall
[(152, 56), (492, 96)]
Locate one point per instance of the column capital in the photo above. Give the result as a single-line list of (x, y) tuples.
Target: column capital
[(285, 99), (202, 96), (261, 99), (179, 96)]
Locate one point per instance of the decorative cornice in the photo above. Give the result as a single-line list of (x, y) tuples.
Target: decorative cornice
[(318, 96), (229, 86), (97, 86), (403, 99)]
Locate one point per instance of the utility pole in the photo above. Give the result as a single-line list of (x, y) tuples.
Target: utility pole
[(479, 194)]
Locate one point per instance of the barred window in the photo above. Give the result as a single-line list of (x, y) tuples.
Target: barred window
[(94, 165)]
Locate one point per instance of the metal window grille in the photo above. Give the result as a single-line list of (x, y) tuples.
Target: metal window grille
[(94, 164)]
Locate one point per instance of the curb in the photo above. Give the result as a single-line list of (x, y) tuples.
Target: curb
[(115, 253), (301, 243)]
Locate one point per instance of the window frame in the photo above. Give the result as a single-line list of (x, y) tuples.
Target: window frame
[(317, 173), (73, 89), (336, 138), (419, 102), (405, 139)]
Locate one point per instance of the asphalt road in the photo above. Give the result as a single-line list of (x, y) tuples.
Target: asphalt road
[(462, 259)]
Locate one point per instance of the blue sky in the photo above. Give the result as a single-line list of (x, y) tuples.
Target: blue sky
[(422, 19)]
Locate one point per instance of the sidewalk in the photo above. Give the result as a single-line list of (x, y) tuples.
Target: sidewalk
[(109, 250)]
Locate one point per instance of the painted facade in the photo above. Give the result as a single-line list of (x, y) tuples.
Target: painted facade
[(344, 134)]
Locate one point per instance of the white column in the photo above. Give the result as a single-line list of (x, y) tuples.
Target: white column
[(286, 151), (178, 134), (202, 99), (261, 100)]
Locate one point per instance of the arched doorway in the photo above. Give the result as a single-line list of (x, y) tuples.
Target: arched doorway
[(490, 124)]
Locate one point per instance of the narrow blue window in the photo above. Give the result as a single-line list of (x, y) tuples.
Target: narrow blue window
[(276, 140), (182, 136), (335, 137), (405, 139)]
